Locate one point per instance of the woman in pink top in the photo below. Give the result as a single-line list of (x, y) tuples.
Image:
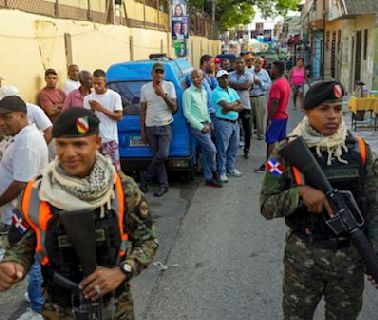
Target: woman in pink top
[(297, 78)]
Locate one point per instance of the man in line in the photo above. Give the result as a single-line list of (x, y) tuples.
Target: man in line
[(248, 58), (158, 102), (72, 83), (76, 97), (51, 98), (227, 106), (241, 81), (196, 112), (107, 105), (257, 94), (81, 182), (278, 100), (209, 82), (24, 158), (318, 263), (226, 65)]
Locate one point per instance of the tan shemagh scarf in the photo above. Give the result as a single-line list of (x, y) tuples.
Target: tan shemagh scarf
[(71, 193), (334, 145)]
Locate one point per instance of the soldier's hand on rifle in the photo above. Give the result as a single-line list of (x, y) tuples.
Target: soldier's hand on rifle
[(315, 200), (101, 282), (10, 274)]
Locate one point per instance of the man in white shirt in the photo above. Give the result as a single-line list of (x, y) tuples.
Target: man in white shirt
[(72, 83), (158, 102), (35, 113), (24, 157), (107, 105)]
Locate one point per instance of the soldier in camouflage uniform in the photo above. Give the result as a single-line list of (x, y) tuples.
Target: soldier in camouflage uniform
[(317, 263), (81, 178)]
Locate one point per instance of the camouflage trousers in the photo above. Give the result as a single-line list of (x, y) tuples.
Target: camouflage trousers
[(312, 273), (122, 309)]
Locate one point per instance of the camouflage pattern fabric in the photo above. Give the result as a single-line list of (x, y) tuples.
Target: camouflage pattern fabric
[(311, 273), (122, 309), (139, 225)]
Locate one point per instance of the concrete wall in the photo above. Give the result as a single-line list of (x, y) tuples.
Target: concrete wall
[(31, 43)]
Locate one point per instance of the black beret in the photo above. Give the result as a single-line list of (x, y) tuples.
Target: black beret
[(324, 91), (75, 122)]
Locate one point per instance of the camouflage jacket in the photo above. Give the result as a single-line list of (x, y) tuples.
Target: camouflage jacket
[(280, 197), (138, 222)]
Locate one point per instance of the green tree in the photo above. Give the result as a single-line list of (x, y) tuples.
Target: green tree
[(230, 13)]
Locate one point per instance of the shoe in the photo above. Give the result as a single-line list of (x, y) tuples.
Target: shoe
[(260, 137), (26, 297), (30, 315), (214, 183), (223, 178), (161, 192), (246, 153), (143, 186), (260, 169), (235, 173), (241, 144)]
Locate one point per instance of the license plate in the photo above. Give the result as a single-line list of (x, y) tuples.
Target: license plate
[(137, 141)]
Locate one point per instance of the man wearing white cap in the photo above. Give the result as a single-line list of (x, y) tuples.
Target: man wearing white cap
[(227, 107)]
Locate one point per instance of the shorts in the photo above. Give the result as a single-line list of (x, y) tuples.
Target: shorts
[(110, 149), (298, 89), (276, 131)]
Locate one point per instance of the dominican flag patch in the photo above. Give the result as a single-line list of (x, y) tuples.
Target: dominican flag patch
[(18, 222), (274, 167)]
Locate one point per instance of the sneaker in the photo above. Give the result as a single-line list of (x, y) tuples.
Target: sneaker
[(26, 297), (30, 315), (143, 187), (260, 169), (223, 178), (246, 153), (214, 183), (161, 192), (235, 173), (260, 137)]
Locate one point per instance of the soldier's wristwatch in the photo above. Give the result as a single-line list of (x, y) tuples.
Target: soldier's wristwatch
[(127, 270)]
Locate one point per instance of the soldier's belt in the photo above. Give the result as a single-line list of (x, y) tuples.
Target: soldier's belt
[(331, 243)]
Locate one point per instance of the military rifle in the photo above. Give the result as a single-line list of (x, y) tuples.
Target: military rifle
[(347, 215)]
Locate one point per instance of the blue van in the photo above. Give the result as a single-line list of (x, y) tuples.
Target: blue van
[(127, 79)]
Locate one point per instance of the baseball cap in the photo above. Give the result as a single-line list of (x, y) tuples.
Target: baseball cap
[(6, 91), (50, 71), (217, 60), (12, 104), (74, 123), (222, 73), (158, 66)]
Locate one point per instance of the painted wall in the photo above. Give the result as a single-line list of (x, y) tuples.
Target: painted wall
[(31, 43)]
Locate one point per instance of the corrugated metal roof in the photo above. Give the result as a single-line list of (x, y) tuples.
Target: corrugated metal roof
[(361, 6)]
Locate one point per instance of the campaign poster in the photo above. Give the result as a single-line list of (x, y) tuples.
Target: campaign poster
[(267, 35), (180, 27), (259, 29)]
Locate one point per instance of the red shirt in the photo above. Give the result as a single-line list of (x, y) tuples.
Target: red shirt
[(48, 98), (73, 99), (280, 90)]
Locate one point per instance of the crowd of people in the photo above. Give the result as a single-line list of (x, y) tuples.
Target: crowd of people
[(221, 97)]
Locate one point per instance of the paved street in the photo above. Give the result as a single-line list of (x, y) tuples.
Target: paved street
[(224, 259)]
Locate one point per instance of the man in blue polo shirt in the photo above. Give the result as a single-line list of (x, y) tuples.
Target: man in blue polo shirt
[(227, 107)]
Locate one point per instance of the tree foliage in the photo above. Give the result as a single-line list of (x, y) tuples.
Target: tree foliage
[(230, 13)]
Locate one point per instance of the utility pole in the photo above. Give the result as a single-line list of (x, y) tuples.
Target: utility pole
[(213, 6)]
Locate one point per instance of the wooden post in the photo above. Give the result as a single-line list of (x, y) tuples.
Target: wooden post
[(57, 9), (131, 44), (89, 10), (125, 11)]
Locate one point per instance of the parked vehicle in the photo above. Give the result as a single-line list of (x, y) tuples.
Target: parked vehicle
[(127, 79)]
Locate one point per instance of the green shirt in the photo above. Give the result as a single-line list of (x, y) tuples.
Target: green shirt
[(195, 107)]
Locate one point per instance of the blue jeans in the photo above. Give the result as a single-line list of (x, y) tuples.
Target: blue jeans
[(208, 152), (160, 141), (35, 287), (228, 139)]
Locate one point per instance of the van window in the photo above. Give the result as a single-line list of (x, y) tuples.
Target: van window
[(130, 94)]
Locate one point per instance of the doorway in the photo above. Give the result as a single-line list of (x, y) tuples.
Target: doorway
[(357, 69)]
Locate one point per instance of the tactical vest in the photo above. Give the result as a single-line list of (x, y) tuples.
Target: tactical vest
[(41, 218), (342, 177)]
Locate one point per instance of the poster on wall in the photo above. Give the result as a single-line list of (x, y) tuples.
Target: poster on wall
[(267, 35), (180, 27), (259, 29)]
